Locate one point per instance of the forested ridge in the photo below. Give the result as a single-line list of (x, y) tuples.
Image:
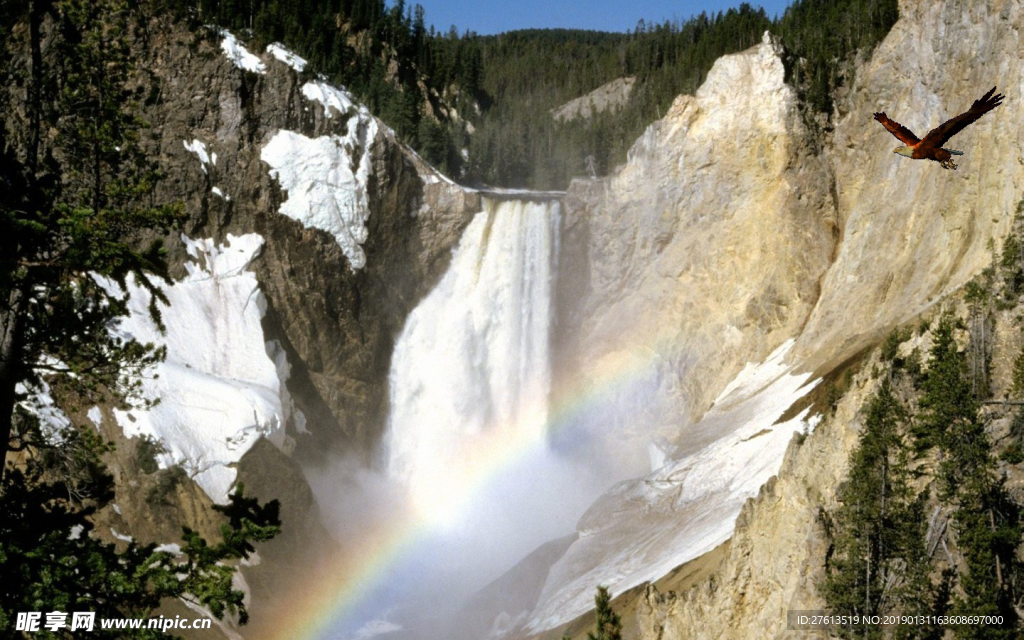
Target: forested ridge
[(929, 517), (528, 73), (79, 219), (478, 107)]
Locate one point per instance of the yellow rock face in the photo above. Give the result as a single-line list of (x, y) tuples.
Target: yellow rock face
[(911, 233), (726, 234)]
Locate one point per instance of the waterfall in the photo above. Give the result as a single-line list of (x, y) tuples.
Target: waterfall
[(471, 371)]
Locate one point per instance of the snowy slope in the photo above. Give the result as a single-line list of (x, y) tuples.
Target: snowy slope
[(239, 55), (221, 386), (644, 528), (326, 177), (287, 56)]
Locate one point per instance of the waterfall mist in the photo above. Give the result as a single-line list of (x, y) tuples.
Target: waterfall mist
[(467, 458)]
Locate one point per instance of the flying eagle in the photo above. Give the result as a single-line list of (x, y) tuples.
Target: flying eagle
[(930, 148)]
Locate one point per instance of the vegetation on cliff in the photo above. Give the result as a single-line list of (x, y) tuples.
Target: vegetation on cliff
[(927, 526), (608, 625), (878, 545), (421, 82), (479, 107), (75, 214)]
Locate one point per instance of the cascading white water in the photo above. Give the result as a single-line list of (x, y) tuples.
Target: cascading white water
[(471, 371)]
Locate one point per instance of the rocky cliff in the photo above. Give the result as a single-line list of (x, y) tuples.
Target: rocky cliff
[(702, 253), (726, 235), (873, 241), (911, 235), (608, 97), (334, 316), (910, 238), (355, 227), (310, 234)]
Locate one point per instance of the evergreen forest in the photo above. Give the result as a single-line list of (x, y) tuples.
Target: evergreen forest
[(929, 522), (479, 107), (78, 219)]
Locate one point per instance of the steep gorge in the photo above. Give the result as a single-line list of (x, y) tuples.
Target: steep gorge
[(318, 324), (906, 237), (700, 292)]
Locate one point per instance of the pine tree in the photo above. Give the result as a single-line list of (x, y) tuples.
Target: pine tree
[(608, 626), (75, 213), (51, 561), (988, 533), (1011, 261), (1017, 388), (78, 208), (948, 403), (986, 520), (877, 565)]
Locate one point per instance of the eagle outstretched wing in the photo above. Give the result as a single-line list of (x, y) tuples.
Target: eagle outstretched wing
[(940, 134), (904, 134)]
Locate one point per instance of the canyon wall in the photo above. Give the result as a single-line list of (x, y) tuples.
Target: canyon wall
[(733, 229), (908, 234)]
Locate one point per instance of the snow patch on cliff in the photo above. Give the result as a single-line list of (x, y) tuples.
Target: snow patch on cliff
[(220, 387), (290, 58), (39, 402), (326, 177), (331, 97), (239, 55), (198, 147)]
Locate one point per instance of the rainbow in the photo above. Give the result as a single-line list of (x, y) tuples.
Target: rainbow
[(340, 583)]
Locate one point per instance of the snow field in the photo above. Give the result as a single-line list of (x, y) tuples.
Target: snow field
[(221, 386)]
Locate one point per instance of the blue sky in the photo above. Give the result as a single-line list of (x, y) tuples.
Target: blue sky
[(494, 16)]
